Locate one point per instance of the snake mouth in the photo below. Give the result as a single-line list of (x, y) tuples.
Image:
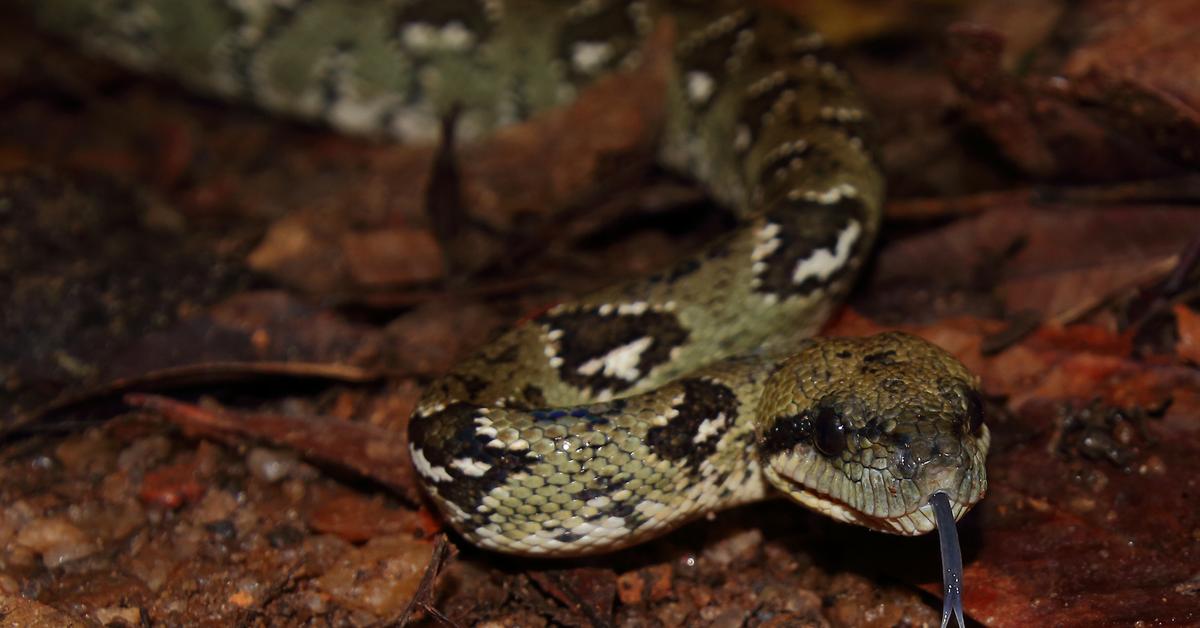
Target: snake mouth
[(905, 511), (920, 519)]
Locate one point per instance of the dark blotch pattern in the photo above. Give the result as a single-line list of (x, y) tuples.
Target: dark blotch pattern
[(449, 435), (473, 385), (784, 433), (611, 24), (533, 397), (676, 272), (806, 226), (778, 167), (711, 57), (702, 401), (804, 83), (587, 335), (883, 357)]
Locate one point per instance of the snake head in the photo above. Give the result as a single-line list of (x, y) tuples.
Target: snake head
[(866, 430)]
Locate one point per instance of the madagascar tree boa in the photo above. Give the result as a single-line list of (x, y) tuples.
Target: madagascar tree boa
[(619, 416)]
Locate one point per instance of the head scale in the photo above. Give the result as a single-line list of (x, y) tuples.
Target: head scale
[(867, 429)]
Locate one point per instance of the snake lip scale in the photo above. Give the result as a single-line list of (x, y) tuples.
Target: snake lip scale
[(622, 414)]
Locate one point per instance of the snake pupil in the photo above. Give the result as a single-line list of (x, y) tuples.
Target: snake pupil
[(974, 412), (828, 433)]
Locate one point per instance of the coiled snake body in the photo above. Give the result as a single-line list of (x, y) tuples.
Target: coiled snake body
[(619, 416)]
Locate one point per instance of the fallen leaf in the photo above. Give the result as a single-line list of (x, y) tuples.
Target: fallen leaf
[(1188, 322), (1058, 261), (392, 257), (1138, 65)]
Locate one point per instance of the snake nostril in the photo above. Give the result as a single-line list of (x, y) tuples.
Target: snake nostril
[(903, 460)]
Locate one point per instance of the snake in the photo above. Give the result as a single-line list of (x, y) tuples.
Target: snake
[(620, 415)]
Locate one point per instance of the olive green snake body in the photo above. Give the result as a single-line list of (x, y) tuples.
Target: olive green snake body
[(618, 416)]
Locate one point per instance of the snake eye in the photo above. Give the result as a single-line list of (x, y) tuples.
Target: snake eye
[(828, 433), (974, 412)]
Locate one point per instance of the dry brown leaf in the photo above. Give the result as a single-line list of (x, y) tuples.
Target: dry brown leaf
[(1140, 66), (1057, 262), (1188, 325)]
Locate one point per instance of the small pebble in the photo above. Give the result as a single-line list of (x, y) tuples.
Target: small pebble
[(214, 506), (283, 536), (270, 465), (741, 547), (144, 453), (123, 615), (57, 540)]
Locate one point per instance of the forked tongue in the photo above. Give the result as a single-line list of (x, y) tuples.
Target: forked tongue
[(952, 569)]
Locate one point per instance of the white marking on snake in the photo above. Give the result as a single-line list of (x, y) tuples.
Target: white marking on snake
[(828, 197), (424, 37), (709, 427), (471, 467), (425, 468), (621, 362), (700, 87), (769, 81), (767, 243), (589, 56), (598, 502), (636, 308), (356, 113), (823, 262), (841, 114), (652, 509), (613, 522), (583, 529), (457, 513)]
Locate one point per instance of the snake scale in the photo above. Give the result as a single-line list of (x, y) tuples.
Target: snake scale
[(621, 415)]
